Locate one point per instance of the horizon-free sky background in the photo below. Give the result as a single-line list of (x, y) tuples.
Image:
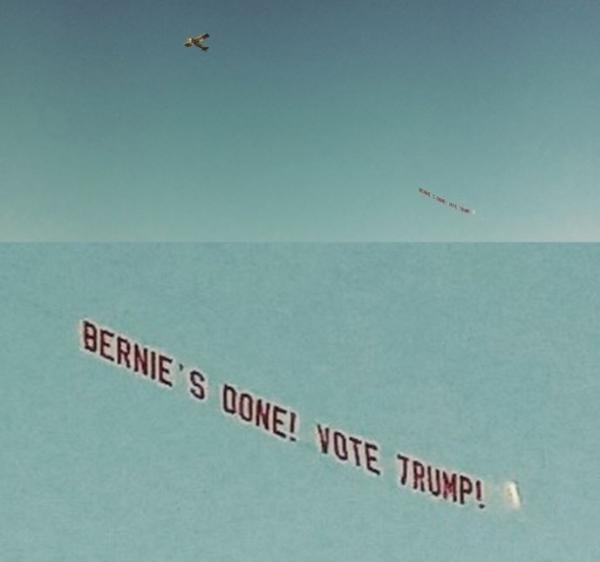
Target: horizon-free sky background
[(306, 120), (438, 351)]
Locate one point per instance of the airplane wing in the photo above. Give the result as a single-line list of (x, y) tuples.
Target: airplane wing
[(202, 37)]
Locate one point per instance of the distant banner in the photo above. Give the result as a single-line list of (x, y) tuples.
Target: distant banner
[(444, 201)]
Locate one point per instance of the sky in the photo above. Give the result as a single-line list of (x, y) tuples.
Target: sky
[(305, 121), (438, 351)]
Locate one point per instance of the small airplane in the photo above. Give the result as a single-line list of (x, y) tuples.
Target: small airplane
[(198, 41)]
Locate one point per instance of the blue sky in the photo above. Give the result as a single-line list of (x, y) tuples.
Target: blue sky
[(438, 351), (312, 120)]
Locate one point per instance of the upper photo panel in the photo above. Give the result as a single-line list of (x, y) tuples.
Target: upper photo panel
[(273, 120)]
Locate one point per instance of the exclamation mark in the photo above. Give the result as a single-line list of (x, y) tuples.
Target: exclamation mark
[(292, 435), (479, 493)]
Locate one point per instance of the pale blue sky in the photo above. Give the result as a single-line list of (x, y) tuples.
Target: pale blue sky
[(312, 120), (481, 358)]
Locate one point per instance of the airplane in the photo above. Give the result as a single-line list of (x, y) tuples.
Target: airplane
[(198, 41)]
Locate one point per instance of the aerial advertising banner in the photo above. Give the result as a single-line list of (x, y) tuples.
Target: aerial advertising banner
[(281, 421)]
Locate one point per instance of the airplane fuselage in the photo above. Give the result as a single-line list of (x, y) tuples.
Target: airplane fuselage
[(197, 41)]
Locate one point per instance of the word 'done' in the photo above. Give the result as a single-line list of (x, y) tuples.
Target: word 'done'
[(262, 413)]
